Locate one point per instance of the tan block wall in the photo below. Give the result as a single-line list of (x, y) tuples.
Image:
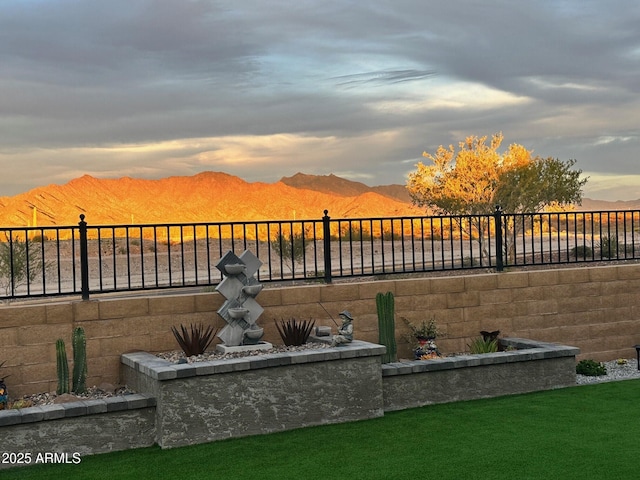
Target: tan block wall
[(594, 308)]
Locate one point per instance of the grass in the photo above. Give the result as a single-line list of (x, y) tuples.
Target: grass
[(586, 432)]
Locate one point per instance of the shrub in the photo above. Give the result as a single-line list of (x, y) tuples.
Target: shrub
[(608, 246), (483, 345), (291, 247), (387, 234), (427, 329), (294, 333), (354, 233), (39, 238), (591, 368), (20, 263), (196, 341), (469, 261), (581, 251)]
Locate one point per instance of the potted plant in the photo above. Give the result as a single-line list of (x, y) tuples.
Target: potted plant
[(424, 335)]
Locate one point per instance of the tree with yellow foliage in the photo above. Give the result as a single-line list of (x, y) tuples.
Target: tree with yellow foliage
[(475, 179)]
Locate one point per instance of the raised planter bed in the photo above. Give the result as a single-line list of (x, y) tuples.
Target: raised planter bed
[(207, 401), (185, 404), (75, 429), (531, 367)]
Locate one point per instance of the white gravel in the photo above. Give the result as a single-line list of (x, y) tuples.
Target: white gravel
[(177, 356), (615, 372)]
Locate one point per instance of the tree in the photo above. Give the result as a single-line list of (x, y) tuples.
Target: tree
[(477, 178)]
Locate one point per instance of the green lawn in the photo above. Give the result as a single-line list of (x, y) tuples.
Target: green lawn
[(587, 432)]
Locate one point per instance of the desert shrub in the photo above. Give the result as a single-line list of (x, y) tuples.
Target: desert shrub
[(608, 246), (39, 238), (581, 251), (294, 333), (195, 340), (483, 345), (20, 263), (291, 247), (591, 368), (387, 234), (354, 233), (469, 261)]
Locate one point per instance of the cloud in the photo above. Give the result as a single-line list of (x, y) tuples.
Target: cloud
[(603, 186), (381, 78), (132, 86)]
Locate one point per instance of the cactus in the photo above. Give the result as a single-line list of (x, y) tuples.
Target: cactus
[(386, 325), (62, 367), (79, 361)]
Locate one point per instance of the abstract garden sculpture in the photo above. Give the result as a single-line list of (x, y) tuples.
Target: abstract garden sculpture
[(240, 310)]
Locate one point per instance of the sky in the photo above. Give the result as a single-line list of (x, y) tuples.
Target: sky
[(262, 90)]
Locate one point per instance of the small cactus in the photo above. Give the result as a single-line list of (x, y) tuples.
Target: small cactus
[(62, 367), (79, 361)]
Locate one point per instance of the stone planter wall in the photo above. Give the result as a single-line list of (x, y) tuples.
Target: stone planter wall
[(534, 366), (214, 400), (81, 428), (186, 404)]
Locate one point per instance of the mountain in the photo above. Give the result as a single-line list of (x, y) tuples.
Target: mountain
[(215, 197), (590, 205), (334, 185), (205, 197)]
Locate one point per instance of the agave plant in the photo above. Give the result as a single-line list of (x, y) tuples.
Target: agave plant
[(483, 345), (295, 333), (195, 340)]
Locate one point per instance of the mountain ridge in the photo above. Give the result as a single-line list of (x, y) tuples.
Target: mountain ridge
[(210, 197), (204, 197)]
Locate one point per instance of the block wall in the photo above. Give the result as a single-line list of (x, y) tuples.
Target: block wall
[(596, 309)]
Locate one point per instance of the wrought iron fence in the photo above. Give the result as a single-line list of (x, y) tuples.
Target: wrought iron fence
[(87, 259)]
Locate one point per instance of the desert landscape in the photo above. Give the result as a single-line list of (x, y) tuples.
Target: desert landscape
[(205, 197), (214, 197)]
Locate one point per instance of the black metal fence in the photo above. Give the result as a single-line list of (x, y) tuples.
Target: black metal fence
[(87, 259)]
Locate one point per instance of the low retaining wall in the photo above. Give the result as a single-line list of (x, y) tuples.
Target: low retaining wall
[(533, 366), (208, 401), (186, 404), (72, 430)]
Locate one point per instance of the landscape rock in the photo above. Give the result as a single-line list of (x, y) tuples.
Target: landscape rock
[(65, 398)]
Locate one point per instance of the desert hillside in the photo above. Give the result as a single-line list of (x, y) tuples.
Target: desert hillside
[(206, 197), (215, 197), (335, 185)]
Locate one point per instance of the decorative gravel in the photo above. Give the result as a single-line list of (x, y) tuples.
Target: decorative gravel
[(178, 356), (92, 393), (614, 372)]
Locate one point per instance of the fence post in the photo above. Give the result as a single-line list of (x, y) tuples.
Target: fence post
[(498, 226), (84, 259), (326, 236)]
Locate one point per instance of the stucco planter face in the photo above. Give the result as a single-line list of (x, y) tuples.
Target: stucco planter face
[(523, 366), (207, 401), (85, 427)]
